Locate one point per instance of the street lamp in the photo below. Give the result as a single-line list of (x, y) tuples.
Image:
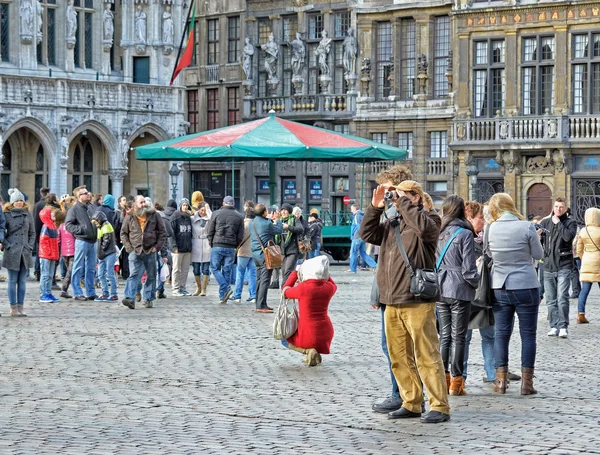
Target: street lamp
[(174, 173), (473, 172)]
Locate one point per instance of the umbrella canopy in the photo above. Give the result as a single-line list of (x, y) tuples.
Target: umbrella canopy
[(266, 139)]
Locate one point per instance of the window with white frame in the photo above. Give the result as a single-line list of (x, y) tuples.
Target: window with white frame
[(233, 39), (382, 138), (212, 42), (438, 144), (46, 49), (586, 73), (84, 45), (537, 73), (440, 57), (384, 59), (405, 142), (407, 58), (488, 77)]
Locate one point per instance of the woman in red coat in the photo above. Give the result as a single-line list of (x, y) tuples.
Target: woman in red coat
[(313, 288)]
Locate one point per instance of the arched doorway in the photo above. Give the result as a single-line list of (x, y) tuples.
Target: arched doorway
[(539, 200), (88, 163)]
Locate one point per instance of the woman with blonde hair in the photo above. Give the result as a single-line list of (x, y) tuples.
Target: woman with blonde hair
[(588, 249), (513, 244)]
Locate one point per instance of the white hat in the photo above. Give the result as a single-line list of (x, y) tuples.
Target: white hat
[(15, 195)]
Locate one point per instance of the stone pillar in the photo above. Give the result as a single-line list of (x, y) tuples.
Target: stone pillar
[(462, 85), (116, 177), (511, 73), (561, 65)]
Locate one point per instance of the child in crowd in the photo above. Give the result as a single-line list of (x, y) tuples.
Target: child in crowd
[(107, 256), (66, 241), (48, 253)]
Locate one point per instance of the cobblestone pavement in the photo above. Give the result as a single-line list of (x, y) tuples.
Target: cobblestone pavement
[(192, 376)]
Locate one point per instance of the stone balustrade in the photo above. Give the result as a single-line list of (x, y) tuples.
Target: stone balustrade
[(343, 105), (437, 166)]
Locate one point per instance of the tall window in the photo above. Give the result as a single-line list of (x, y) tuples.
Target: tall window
[(41, 172), (537, 72), (264, 30), (4, 32), (438, 144), (192, 103), (212, 109), (341, 24), (384, 55), (315, 26), (83, 165), (586, 73), (382, 138), (440, 59), (233, 106), (46, 49), (84, 45), (407, 61), (405, 142), (488, 78), (233, 39), (212, 52), (290, 27)]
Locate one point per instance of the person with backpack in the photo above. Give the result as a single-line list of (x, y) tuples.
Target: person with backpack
[(107, 257)]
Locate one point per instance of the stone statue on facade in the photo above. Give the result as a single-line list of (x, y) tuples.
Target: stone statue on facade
[(350, 48), (322, 52), (140, 25), (64, 151), (271, 50), (422, 64), (71, 21), (167, 26), (40, 11), (124, 152), (247, 56), (298, 55), (109, 28), (26, 21)]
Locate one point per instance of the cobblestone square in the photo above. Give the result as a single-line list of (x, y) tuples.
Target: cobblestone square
[(191, 376)]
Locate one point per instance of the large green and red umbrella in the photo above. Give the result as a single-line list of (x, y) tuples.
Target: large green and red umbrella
[(269, 138)]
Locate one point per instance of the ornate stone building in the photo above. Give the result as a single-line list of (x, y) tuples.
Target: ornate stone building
[(528, 104), (406, 86), (81, 83)]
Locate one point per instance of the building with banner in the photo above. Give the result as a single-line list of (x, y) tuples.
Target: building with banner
[(83, 82)]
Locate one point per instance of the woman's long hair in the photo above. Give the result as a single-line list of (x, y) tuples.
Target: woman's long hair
[(453, 208), (501, 203)]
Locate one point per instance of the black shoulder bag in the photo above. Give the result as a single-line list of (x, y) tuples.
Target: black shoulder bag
[(423, 282)]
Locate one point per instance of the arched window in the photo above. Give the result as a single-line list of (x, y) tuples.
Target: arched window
[(7, 165), (83, 165), (41, 172)]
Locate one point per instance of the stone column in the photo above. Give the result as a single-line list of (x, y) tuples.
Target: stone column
[(561, 64), (116, 177), (511, 73), (462, 87)]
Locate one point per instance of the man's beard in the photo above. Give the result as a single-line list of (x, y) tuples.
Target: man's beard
[(141, 212)]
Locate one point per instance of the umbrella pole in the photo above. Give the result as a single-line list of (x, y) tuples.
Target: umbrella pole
[(362, 186), (148, 180), (232, 179), (272, 182)]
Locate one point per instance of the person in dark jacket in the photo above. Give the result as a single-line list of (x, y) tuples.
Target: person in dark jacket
[(108, 207), (292, 232), (120, 213), (37, 208), (410, 323), (262, 231), (558, 265), (314, 231), (458, 279), (143, 235), (107, 256), (79, 223), (181, 248), (17, 244), (225, 232)]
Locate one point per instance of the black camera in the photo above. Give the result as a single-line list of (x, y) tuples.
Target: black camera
[(390, 195), (538, 227)]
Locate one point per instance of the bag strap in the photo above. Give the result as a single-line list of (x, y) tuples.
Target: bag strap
[(441, 258), (486, 240), (588, 233), (403, 251), (262, 246)]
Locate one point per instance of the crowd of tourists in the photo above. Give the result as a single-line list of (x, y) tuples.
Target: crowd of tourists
[(82, 242)]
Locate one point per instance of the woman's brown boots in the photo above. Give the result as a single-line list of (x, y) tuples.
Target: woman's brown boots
[(204, 285), (312, 356), (457, 386), (527, 382), (198, 285), (501, 380)]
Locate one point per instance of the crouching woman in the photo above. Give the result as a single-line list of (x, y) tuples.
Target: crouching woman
[(312, 286)]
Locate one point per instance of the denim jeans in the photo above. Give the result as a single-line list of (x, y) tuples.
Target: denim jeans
[(245, 264), (17, 280), (359, 248), (201, 268), (221, 261), (526, 303), (46, 276), (384, 347), (575, 284), (159, 265), (556, 286), (263, 275), (84, 263), (106, 274), (586, 287), (138, 263), (488, 335)]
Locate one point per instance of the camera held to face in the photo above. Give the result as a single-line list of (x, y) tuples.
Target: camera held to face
[(390, 195)]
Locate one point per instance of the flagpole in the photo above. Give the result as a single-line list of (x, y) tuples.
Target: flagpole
[(183, 35)]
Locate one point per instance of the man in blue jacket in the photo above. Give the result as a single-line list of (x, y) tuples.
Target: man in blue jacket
[(359, 247)]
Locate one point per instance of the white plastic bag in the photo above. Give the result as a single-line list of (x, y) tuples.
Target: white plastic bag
[(164, 273), (286, 319)]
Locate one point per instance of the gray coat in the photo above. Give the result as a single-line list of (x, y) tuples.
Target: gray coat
[(457, 274), (19, 239), (513, 244), (201, 249)]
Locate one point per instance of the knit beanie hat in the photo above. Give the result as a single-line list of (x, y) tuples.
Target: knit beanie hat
[(15, 195), (186, 201), (108, 201)]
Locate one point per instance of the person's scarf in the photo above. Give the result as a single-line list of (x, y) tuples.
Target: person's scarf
[(289, 220)]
